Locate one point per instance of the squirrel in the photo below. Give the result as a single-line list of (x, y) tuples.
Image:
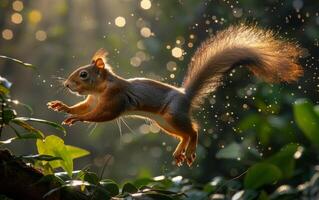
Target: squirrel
[(110, 96)]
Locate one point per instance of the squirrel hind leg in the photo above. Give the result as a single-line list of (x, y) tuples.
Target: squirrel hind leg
[(191, 148), (182, 127)]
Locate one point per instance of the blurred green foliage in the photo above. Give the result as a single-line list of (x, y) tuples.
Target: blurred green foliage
[(258, 140)]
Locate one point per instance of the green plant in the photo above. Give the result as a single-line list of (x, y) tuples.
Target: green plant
[(52, 153)]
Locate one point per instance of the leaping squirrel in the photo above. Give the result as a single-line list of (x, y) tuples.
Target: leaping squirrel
[(110, 96)]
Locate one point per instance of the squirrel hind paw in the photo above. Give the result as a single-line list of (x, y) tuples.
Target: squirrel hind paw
[(190, 159), (179, 159)]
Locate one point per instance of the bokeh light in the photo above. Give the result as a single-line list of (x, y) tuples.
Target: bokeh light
[(41, 35), (146, 4), (120, 21), (35, 16), (146, 32), (177, 52), (135, 61), (16, 18), (171, 66), (17, 6), (7, 34), (190, 45), (238, 12)]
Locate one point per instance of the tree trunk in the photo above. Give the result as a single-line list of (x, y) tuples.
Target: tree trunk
[(20, 181)]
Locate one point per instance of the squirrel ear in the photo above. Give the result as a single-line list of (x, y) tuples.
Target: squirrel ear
[(99, 63), (99, 58), (101, 53)]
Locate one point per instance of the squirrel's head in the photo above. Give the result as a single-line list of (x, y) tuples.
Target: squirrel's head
[(91, 78)]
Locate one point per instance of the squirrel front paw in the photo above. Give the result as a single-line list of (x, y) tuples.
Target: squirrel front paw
[(71, 120), (58, 106)]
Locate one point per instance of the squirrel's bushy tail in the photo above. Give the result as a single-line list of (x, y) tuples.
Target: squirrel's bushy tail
[(268, 57)]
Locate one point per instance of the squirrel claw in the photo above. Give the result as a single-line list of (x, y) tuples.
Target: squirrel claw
[(70, 120), (57, 106), (190, 160), (179, 159)]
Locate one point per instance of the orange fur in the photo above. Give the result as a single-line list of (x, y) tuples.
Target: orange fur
[(101, 53)]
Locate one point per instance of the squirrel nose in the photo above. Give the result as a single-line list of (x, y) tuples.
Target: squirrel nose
[(66, 84)]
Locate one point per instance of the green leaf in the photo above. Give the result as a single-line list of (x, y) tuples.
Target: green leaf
[(261, 174), (53, 124), (17, 61), (41, 157), (19, 137), (65, 176), (8, 115), (142, 182), (54, 146), (80, 174), (50, 179), (4, 90), (91, 177), (263, 196), (257, 124), (30, 136), (284, 159), (45, 167), (28, 127), (100, 193), (245, 194), (264, 132), (217, 182), (159, 196), (129, 188), (232, 151), (8, 141), (250, 121), (287, 192), (307, 120), (71, 184), (76, 152), (167, 192), (110, 186)]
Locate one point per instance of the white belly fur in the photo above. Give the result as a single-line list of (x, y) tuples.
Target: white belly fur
[(151, 116)]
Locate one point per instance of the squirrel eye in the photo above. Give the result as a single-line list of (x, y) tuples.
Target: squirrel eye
[(84, 74)]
